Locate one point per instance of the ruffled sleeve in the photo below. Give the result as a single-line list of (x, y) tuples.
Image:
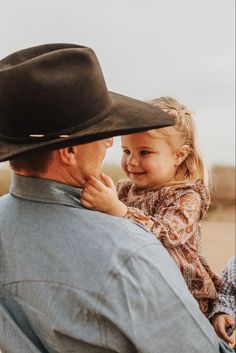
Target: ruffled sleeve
[(174, 220)]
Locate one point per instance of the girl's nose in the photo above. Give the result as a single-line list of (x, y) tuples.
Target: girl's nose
[(133, 160)]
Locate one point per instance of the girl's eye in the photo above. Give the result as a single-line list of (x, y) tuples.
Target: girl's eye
[(144, 152), (126, 152)]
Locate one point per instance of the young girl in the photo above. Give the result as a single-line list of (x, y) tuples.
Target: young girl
[(165, 192)]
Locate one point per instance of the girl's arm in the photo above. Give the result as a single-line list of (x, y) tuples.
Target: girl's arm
[(100, 195), (173, 222), (176, 225)]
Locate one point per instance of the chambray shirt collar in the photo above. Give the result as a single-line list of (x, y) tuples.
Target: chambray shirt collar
[(44, 190)]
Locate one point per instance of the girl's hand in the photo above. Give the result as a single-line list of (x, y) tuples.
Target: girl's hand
[(221, 322), (100, 195)]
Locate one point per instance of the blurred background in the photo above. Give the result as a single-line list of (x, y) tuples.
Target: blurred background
[(148, 49)]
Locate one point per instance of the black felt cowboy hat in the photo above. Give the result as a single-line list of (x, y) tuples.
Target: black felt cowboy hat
[(54, 95)]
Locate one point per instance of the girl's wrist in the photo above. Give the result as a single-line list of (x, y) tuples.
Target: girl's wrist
[(119, 209)]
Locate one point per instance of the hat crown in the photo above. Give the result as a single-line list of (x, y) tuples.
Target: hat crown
[(54, 95), (50, 90)]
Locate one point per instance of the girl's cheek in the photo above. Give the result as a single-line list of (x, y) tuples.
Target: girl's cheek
[(124, 163)]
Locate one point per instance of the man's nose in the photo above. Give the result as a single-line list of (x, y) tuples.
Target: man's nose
[(109, 142)]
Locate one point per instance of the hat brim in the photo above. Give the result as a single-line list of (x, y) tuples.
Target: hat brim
[(127, 115)]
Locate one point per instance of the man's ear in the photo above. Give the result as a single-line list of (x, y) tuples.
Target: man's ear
[(68, 155), (181, 154)]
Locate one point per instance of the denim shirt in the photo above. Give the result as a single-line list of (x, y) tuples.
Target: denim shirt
[(76, 280)]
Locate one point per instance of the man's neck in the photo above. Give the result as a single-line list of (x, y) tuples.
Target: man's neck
[(64, 178)]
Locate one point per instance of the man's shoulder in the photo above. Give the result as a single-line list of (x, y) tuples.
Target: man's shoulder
[(111, 239), (118, 229), (4, 200)]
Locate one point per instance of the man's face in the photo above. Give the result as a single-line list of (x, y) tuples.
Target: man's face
[(90, 157)]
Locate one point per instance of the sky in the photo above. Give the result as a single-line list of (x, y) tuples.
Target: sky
[(147, 49)]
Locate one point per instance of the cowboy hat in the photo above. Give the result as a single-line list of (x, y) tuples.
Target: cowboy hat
[(54, 95)]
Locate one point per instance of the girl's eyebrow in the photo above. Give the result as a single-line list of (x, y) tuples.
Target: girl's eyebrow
[(147, 148), (141, 147)]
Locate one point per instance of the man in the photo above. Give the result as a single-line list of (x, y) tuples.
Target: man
[(74, 280)]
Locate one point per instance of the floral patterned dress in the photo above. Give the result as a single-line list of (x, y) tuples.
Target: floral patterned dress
[(172, 214)]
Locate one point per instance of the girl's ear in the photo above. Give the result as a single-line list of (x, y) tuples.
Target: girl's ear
[(181, 154), (68, 155)]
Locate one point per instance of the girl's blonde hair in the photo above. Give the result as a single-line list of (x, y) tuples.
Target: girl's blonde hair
[(182, 133)]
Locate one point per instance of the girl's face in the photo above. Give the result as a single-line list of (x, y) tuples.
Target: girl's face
[(148, 161)]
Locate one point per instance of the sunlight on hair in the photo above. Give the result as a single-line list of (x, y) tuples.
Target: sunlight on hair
[(183, 132)]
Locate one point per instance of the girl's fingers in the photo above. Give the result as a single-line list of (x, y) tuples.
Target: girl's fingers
[(107, 180), (86, 203), (95, 183), (92, 189), (87, 196)]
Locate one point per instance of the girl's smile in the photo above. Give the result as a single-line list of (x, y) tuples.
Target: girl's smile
[(136, 173)]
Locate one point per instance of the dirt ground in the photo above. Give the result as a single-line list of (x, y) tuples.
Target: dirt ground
[(218, 237)]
